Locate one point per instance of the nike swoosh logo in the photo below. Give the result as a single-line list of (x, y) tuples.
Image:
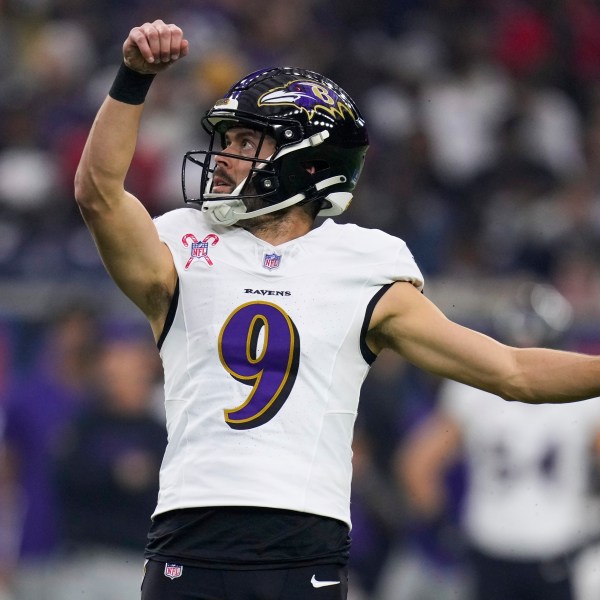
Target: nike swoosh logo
[(317, 584)]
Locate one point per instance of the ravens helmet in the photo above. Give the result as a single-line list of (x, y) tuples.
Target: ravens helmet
[(313, 122)]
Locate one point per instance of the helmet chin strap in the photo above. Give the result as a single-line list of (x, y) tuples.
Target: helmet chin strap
[(229, 212)]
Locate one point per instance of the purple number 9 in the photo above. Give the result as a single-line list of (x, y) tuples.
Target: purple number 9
[(260, 347)]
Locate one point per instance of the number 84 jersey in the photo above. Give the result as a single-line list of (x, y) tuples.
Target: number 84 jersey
[(264, 356)]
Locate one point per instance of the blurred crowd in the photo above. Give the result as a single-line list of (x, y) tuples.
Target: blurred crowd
[(484, 119)]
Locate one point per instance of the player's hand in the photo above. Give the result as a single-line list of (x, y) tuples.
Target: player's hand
[(153, 47)]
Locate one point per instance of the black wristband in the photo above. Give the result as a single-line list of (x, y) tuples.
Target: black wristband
[(130, 86)]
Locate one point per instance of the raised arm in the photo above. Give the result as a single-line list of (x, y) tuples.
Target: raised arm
[(122, 229), (407, 322)]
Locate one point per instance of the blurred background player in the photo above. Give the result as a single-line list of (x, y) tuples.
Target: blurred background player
[(528, 508), (39, 406), (107, 476)]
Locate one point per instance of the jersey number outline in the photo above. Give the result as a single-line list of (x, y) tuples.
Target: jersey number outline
[(507, 470), (259, 346)]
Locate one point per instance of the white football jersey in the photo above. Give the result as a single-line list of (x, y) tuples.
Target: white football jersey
[(529, 468), (263, 362)]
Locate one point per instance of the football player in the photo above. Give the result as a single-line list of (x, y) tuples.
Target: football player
[(267, 325)]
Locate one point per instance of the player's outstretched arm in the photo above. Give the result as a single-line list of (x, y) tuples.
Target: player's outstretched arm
[(407, 322), (120, 225)]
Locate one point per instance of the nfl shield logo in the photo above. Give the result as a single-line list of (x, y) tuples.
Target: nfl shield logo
[(172, 571), (199, 249), (271, 261)]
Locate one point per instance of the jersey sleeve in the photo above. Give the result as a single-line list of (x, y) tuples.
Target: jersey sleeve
[(405, 268), (386, 257), (168, 226), (175, 230)]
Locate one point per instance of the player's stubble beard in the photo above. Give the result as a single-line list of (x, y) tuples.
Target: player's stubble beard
[(278, 220), (252, 202), (261, 222)]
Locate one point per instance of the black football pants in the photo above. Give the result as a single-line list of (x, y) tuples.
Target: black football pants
[(163, 581)]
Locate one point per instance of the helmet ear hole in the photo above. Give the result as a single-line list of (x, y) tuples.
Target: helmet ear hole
[(315, 166)]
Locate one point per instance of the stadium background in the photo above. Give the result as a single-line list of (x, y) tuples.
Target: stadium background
[(485, 158)]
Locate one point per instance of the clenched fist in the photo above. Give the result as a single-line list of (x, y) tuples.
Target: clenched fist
[(153, 47)]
